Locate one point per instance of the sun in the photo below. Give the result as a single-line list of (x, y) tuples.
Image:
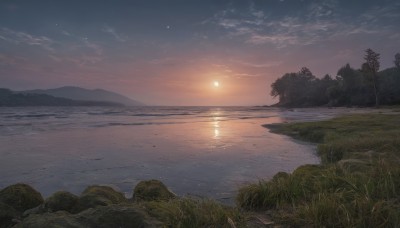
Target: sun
[(216, 83)]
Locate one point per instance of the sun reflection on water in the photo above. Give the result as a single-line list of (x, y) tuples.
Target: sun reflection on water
[(216, 124)]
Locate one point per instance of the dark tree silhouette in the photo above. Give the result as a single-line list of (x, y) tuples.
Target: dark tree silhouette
[(351, 87), (306, 72), (370, 68), (397, 60)]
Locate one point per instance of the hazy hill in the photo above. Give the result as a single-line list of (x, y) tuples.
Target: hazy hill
[(9, 98), (77, 93)]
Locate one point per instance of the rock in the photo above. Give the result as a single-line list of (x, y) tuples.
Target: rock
[(21, 197), (117, 216), (36, 210), (7, 215), (107, 216), (94, 196), (61, 219), (62, 201), (151, 190)]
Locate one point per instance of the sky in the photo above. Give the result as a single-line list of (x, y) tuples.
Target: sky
[(170, 52)]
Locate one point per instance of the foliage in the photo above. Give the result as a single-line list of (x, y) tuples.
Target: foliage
[(357, 185), (370, 69), (397, 60), (301, 88), (352, 87)]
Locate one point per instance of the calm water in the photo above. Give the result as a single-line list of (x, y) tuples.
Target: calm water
[(204, 151)]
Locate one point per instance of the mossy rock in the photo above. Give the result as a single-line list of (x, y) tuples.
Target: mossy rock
[(7, 214), (108, 216), (61, 201), (94, 196), (61, 219), (280, 175), (21, 197), (151, 190), (117, 216)]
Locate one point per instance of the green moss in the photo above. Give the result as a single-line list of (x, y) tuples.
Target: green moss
[(7, 214), (94, 196), (102, 206), (117, 216), (21, 197), (101, 217), (280, 176), (62, 201), (151, 190), (59, 219)]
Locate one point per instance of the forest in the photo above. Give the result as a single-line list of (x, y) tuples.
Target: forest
[(366, 86)]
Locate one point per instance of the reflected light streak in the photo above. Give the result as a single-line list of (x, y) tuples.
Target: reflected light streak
[(216, 133), (216, 119)]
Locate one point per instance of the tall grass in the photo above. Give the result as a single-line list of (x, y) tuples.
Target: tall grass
[(357, 185), (187, 212)]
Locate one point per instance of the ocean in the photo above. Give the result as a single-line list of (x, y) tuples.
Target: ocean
[(196, 151)]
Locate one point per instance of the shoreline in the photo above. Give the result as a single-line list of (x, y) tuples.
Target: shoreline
[(358, 152), (289, 194)]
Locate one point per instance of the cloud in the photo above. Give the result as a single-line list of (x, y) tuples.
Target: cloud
[(316, 23), (245, 75), (18, 37), (111, 31), (258, 65), (382, 12), (94, 47), (66, 33)]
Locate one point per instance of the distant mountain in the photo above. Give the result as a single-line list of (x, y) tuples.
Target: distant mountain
[(9, 98), (81, 94)]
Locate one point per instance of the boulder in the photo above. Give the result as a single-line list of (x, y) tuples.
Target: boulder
[(61, 219), (280, 175), (62, 201), (21, 197), (107, 216), (117, 216), (7, 214), (151, 190), (95, 195)]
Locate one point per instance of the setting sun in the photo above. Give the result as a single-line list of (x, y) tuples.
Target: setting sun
[(216, 84)]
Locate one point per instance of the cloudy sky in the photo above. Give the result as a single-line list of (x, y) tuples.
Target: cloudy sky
[(169, 52)]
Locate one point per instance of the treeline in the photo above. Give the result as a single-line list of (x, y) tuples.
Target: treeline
[(9, 98), (366, 86)]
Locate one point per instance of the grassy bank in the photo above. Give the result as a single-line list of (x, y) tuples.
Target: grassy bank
[(357, 184)]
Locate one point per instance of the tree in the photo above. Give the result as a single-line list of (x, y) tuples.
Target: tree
[(397, 60), (294, 89), (306, 72), (370, 69)]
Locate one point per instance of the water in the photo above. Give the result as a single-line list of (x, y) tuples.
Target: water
[(201, 151)]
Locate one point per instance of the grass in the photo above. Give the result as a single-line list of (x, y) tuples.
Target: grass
[(357, 184), (187, 212)]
